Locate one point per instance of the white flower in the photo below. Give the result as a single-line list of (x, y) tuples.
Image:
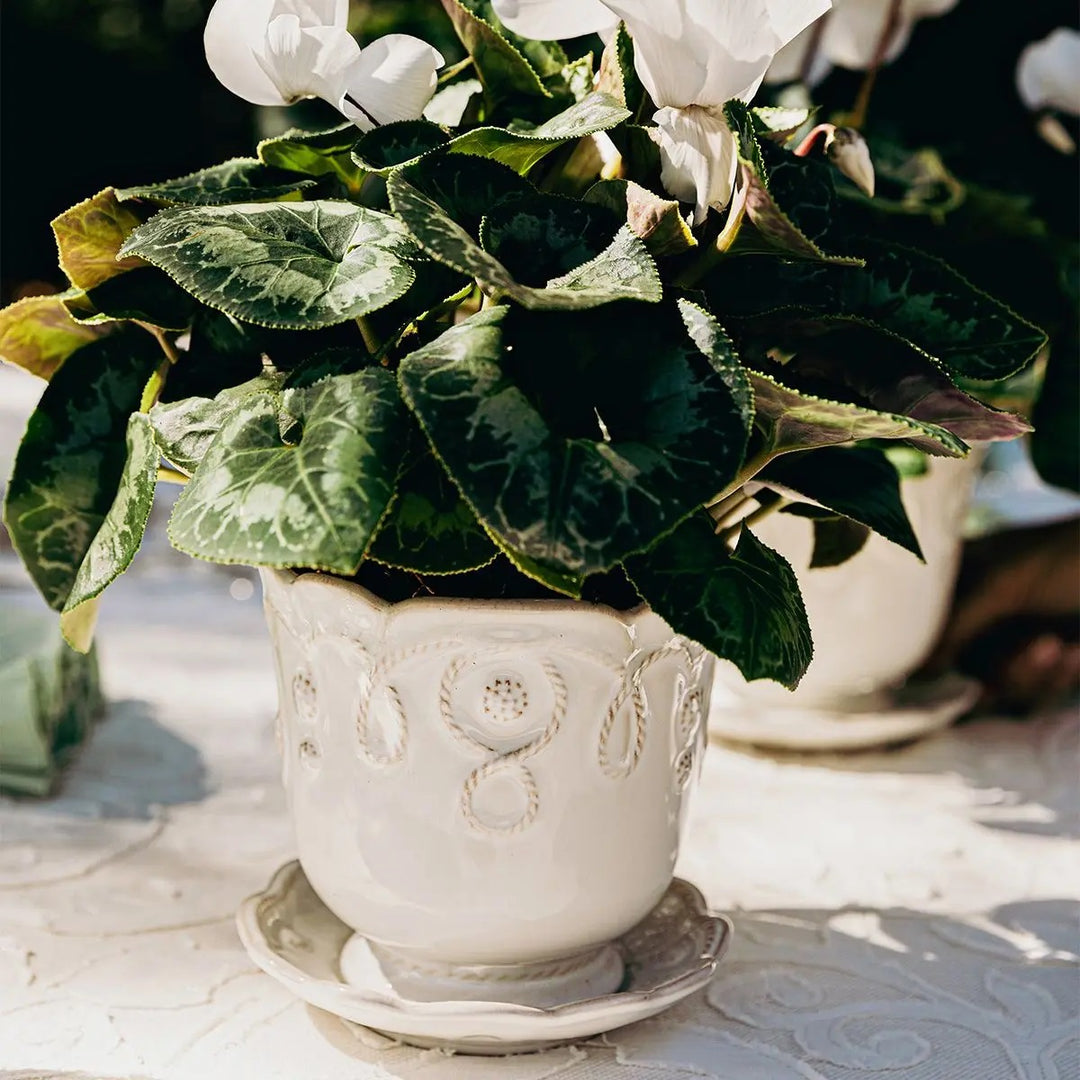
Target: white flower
[(692, 56), (1048, 72), (275, 52), (850, 36)]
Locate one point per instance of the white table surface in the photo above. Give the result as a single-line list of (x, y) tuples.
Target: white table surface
[(908, 915)]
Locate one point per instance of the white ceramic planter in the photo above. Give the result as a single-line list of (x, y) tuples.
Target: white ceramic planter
[(488, 792), (874, 619)]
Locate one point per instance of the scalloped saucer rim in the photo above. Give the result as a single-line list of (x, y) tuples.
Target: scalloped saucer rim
[(915, 709), (307, 964)]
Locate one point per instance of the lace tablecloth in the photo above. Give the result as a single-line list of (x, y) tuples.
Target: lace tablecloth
[(908, 915)]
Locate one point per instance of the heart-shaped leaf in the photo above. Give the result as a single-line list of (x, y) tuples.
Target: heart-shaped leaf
[(430, 528), (71, 458), (240, 180), (285, 265), (744, 605), (313, 501), (623, 271), (574, 486)]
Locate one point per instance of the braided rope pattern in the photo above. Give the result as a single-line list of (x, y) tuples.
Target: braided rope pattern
[(633, 691)]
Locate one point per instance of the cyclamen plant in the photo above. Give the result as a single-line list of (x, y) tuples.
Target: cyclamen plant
[(569, 333)]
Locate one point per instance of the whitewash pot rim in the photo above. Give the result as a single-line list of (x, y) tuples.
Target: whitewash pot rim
[(569, 606)]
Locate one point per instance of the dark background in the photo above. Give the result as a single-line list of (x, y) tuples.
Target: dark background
[(100, 92)]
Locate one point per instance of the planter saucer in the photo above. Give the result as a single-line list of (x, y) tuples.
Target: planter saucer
[(291, 934), (912, 710)]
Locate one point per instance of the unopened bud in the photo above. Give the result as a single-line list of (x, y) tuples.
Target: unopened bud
[(848, 151)]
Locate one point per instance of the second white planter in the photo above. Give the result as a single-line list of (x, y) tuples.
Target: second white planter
[(874, 619)]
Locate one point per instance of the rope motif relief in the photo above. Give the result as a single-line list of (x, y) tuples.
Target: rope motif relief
[(398, 746), (632, 691), (510, 766)]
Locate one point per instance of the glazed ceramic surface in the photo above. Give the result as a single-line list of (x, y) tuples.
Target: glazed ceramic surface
[(290, 933), (484, 783), (874, 618)]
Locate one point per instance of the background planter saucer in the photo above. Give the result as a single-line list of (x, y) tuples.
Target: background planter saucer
[(291, 934), (873, 720)]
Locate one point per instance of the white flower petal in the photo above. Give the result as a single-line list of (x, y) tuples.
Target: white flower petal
[(700, 52), (393, 80), (788, 64), (234, 30), (554, 19), (1048, 72), (698, 157), (235, 39), (311, 61)]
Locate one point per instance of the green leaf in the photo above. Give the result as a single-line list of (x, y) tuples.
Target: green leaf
[(430, 528), (119, 537), (575, 482), (315, 153), (316, 502), (38, 333), (392, 145), (521, 150), (285, 265), (185, 429), (71, 458), (466, 188), (857, 482), (657, 221), (836, 540), (708, 335), (497, 54), (913, 296), (741, 121), (88, 237), (618, 78), (773, 231), (745, 606), (845, 360), (540, 237), (240, 180), (776, 123), (144, 294), (623, 270), (796, 420), (221, 352)]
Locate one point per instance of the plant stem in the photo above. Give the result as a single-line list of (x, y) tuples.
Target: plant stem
[(171, 476), (762, 512), (723, 512), (157, 381), (857, 119), (371, 340), (457, 69), (749, 470)]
